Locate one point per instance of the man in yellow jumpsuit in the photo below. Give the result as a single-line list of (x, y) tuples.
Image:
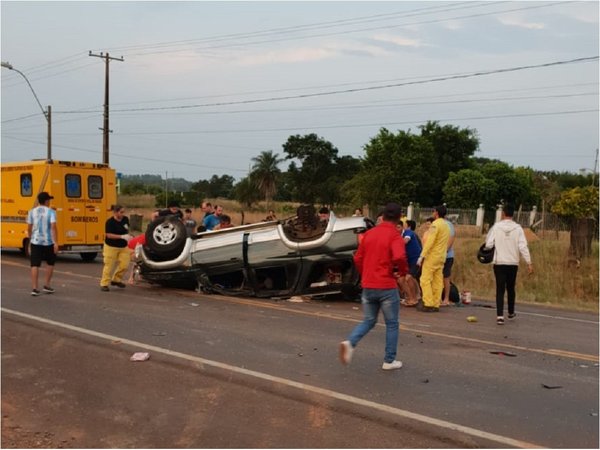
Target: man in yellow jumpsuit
[(432, 261)]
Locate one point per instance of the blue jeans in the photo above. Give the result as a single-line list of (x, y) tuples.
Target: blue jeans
[(388, 300)]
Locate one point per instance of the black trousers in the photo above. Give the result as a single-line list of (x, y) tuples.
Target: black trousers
[(506, 277)]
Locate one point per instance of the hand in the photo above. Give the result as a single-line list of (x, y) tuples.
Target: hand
[(56, 248), (126, 237), (530, 269), (420, 261)]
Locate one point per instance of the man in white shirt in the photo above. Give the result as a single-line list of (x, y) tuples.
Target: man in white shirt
[(41, 230), (508, 239)]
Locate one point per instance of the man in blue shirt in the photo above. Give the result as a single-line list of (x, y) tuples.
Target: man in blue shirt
[(214, 219), (41, 230), (409, 284)]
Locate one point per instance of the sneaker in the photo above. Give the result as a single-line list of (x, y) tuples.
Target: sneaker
[(118, 284), (104, 288), (346, 351), (35, 292), (48, 290), (500, 320), (512, 316), (392, 366)]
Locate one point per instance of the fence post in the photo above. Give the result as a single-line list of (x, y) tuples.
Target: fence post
[(499, 213), (479, 219), (532, 215), (410, 211)]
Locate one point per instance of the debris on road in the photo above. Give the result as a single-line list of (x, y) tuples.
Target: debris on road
[(140, 356), (549, 386), (159, 333), (471, 319), (194, 304), (502, 353)]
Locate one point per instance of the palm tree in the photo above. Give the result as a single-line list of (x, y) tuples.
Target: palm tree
[(265, 172)]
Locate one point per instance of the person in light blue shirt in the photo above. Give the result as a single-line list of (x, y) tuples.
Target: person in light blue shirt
[(41, 231), (447, 271), (214, 219)]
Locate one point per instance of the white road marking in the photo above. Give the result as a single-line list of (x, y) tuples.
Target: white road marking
[(503, 440)]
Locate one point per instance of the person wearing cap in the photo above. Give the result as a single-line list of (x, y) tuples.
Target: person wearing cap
[(432, 259), (116, 233), (379, 254), (41, 231)]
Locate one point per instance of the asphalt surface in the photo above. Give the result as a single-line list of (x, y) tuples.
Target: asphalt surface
[(237, 372)]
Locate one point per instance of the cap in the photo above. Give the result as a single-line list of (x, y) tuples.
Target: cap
[(43, 197), (392, 211)]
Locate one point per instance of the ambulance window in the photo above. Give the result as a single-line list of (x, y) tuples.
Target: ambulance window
[(95, 186), (73, 185), (26, 185)]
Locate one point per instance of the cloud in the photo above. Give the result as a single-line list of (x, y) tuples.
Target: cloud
[(294, 55), (309, 54), (453, 25), (398, 40), (521, 23)]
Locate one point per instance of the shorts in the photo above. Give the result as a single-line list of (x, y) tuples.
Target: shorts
[(41, 253), (447, 271), (414, 270)]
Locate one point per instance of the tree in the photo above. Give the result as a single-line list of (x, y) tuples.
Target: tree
[(453, 147), (513, 186), (310, 182), (580, 205), (245, 192), (396, 167), (265, 174), (468, 188)]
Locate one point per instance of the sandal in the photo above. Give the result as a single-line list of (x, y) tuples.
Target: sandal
[(407, 303)]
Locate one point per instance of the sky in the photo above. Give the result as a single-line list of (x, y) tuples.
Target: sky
[(204, 87)]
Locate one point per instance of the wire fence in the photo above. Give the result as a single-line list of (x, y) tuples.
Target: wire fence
[(539, 222)]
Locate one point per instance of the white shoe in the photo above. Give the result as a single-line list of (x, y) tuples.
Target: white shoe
[(392, 366), (346, 351)]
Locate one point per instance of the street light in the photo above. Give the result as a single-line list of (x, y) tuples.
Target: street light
[(47, 114)]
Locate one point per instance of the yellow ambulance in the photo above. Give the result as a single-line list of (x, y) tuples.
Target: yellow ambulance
[(83, 195)]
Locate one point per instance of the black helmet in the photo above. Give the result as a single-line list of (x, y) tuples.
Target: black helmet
[(485, 255)]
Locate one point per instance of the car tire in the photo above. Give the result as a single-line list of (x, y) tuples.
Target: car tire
[(165, 237)]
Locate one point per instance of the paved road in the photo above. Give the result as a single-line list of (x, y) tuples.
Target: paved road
[(235, 372)]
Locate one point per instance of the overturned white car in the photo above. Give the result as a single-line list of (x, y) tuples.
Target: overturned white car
[(300, 255)]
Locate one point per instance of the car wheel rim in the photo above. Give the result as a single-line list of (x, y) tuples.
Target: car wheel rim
[(165, 234)]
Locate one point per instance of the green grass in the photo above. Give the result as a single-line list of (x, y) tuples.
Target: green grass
[(554, 282)]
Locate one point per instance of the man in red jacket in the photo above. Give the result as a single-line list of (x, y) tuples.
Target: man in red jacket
[(380, 255)]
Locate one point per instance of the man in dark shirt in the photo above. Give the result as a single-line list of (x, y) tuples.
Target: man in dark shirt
[(380, 253), (115, 251), (172, 209)]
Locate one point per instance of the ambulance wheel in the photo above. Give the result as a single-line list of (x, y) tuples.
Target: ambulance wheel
[(166, 237), (88, 257)]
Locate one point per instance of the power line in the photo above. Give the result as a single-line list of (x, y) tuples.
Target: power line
[(471, 16), (352, 90), (356, 125), (304, 27), (137, 158)]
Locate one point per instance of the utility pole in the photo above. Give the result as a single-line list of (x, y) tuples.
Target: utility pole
[(105, 129), (595, 168)]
